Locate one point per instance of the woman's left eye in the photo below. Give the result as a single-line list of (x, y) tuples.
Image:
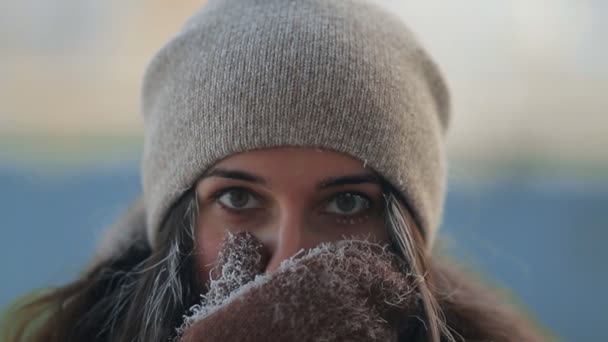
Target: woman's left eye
[(348, 203)]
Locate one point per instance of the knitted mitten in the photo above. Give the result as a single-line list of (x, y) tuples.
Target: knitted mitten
[(348, 290)]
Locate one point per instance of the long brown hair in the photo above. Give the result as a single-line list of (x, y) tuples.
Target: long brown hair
[(459, 305), (142, 295), (139, 296)]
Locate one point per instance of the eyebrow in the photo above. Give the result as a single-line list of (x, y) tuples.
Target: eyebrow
[(349, 179), (235, 174), (324, 184)]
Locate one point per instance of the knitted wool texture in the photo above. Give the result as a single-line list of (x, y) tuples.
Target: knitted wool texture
[(350, 290), (341, 75)]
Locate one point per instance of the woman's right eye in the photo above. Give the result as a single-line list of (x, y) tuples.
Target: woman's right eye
[(237, 198)]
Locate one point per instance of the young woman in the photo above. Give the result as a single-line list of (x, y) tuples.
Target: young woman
[(293, 184)]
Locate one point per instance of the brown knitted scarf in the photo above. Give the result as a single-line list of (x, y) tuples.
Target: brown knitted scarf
[(351, 290)]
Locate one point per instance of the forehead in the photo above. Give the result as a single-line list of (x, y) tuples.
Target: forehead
[(294, 164)]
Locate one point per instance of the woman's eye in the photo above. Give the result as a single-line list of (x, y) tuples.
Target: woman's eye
[(348, 203), (238, 199)]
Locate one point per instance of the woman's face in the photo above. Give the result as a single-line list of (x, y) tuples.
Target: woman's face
[(289, 198)]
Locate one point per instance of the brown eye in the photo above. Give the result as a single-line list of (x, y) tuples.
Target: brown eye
[(348, 203), (237, 198)]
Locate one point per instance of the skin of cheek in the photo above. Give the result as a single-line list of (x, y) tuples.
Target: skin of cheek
[(208, 243), (209, 239), (371, 227)]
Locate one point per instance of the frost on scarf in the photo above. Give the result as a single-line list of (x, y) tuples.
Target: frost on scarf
[(346, 287), (240, 260)]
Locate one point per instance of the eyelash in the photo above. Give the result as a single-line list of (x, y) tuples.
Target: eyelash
[(341, 218)]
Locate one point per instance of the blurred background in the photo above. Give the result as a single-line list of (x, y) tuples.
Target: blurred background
[(527, 194)]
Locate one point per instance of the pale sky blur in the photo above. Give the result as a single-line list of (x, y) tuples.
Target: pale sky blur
[(528, 77)]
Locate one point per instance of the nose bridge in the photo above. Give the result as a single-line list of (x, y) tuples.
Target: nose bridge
[(290, 235)]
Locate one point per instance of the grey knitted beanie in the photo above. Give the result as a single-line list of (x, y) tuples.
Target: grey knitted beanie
[(342, 75)]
